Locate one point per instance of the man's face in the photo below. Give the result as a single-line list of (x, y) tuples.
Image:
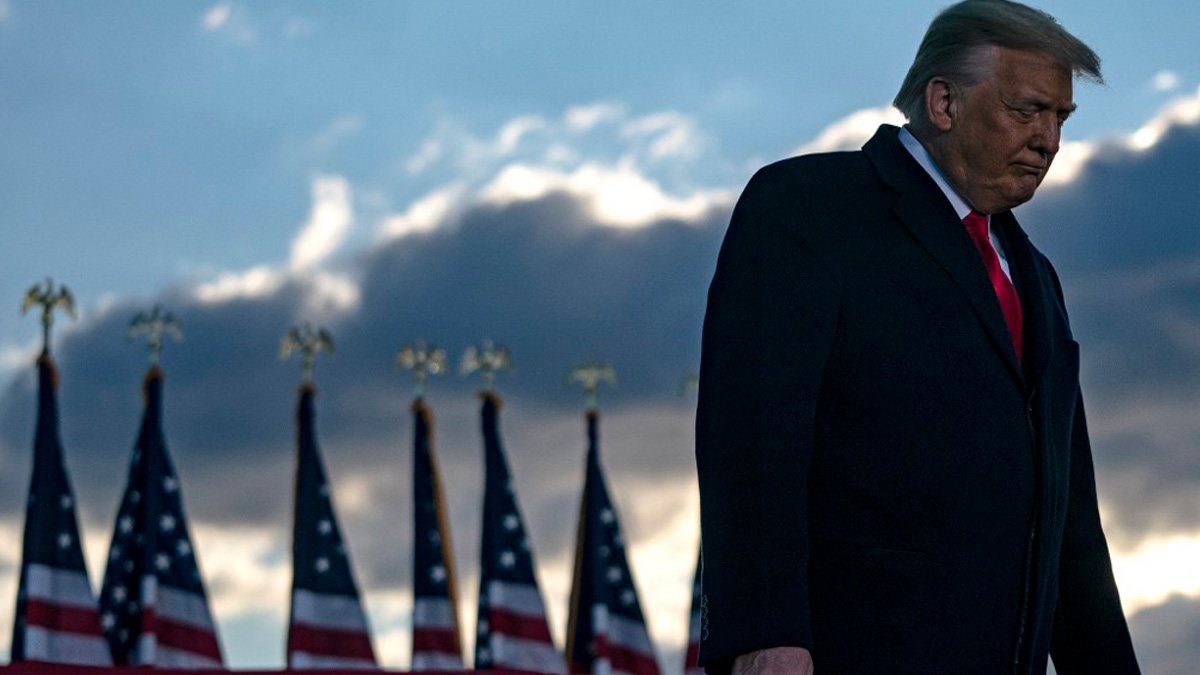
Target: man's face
[(1005, 130)]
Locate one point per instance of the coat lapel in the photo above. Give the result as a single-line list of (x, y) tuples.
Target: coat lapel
[(928, 215), (1037, 304)]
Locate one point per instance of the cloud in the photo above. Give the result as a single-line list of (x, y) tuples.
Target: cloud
[(230, 20), (530, 157), (852, 131), (423, 215), (1164, 80), (5, 11), (514, 130), (618, 196), (1182, 111), (328, 223), (583, 118), (217, 16), (669, 134), (1168, 636), (337, 132), (429, 152)]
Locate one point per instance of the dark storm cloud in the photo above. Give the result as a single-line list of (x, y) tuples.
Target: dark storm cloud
[(540, 277), (1168, 636)]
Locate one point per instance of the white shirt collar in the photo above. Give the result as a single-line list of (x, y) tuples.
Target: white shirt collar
[(919, 153)]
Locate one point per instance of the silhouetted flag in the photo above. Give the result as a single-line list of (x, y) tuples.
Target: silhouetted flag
[(327, 627), (511, 631), (695, 626), (606, 631), (435, 641), (153, 606), (56, 619)]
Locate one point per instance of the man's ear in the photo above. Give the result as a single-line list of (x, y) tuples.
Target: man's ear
[(940, 103)]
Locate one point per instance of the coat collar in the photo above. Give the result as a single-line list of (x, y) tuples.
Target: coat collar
[(922, 207)]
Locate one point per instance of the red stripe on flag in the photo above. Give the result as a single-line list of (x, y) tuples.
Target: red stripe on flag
[(693, 656), (330, 642), (181, 636), (59, 618), (518, 625), (625, 659), (440, 640)]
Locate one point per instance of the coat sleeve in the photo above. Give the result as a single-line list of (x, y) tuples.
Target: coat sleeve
[(1090, 634), (768, 330)]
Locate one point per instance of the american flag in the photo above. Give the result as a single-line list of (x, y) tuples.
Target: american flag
[(606, 632), (511, 632), (695, 626), (153, 607), (327, 628), (56, 619), (435, 639)]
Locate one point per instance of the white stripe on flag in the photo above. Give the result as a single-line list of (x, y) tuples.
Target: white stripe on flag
[(323, 610), (306, 661), (516, 598), (42, 644), (169, 657), (58, 586), (517, 654), (632, 635), (435, 661), (183, 607), (433, 613)]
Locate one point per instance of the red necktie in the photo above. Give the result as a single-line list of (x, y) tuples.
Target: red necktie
[(977, 227)]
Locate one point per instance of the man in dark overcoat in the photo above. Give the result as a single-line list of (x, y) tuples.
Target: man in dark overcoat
[(894, 464)]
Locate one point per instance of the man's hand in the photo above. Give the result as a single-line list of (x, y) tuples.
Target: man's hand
[(774, 661)]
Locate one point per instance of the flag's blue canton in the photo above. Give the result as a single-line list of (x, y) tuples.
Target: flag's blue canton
[(51, 528), (505, 551), (150, 539), (436, 641), (602, 575), (431, 546), (319, 558)]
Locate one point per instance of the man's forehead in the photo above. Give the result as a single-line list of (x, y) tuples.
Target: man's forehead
[(1034, 75)]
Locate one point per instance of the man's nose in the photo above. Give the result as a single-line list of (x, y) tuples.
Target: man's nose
[(1047, 136)]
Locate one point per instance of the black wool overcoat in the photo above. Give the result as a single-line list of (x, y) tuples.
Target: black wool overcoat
[(882, 482)]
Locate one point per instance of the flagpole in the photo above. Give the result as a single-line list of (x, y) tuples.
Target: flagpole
[(589, 373), (424, 360)]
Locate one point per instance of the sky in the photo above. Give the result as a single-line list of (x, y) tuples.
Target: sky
[(554, 176)]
